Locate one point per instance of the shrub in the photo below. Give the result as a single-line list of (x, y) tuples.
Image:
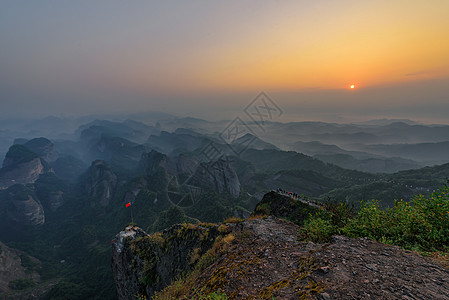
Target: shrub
[(421, 224), (316, 230), (370, 221)]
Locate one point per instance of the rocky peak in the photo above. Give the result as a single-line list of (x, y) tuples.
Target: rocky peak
[(44, 148), (100, 182), (18, 154)]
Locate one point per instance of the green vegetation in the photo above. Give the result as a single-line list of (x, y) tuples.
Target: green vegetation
[(21, 284), (421, 224), (29, 264)]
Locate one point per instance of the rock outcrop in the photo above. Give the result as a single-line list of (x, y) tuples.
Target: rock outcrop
[(100, 182), (181, 165), (264, 260), (20, 166), (21, 173), (217, 175), (143, 264), (220, 176), (23, 207), (282, 206)]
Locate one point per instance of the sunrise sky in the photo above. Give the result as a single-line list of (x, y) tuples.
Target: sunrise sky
[(210, 58)]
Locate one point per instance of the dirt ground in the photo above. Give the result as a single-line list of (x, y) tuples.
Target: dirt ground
[(267, 262)]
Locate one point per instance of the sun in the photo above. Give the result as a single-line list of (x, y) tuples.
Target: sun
[(352, 86)]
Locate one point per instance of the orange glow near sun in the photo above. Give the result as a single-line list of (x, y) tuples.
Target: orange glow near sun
[(352, 86)]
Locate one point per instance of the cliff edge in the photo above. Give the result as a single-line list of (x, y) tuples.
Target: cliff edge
[(261, 258)]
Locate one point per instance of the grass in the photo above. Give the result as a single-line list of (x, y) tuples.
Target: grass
[(421, 224), (233, 220)]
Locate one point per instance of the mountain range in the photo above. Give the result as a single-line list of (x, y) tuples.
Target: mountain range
[(63, 195)]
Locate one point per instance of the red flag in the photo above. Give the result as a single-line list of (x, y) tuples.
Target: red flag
[(128, 204)]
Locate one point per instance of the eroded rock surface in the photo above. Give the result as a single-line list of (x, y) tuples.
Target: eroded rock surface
[(143, 264), (220, 176), (265, 261), (21, 173)]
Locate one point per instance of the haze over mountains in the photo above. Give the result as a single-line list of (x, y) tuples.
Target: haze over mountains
[(64, 184), (372, 146)]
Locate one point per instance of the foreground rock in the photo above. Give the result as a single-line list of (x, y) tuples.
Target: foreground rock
[(143, 264), (266, 261)]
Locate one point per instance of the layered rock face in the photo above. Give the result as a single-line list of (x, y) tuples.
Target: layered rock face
[(23, 207), (100, 182), (20, 166), (22, 173), (143, 264), (219, 175)]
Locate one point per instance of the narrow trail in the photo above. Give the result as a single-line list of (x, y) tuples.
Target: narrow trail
[(292, 196)]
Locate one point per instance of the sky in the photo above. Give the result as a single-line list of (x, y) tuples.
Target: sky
[(209, 59)]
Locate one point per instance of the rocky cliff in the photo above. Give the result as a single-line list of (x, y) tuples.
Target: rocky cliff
[(23, 207), (143, 264), (22, 173), (181, 165), (100, 182), (261, 258), (218, 175)]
